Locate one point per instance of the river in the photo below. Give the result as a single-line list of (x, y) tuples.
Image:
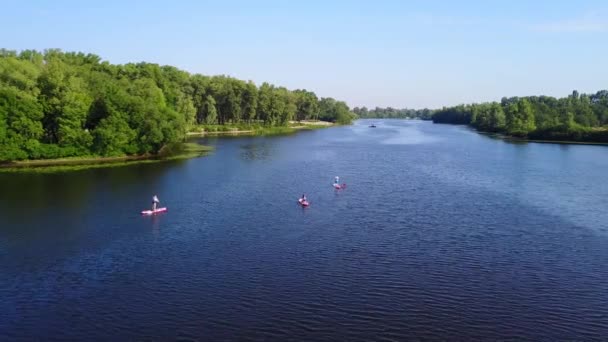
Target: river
[(441, 233)]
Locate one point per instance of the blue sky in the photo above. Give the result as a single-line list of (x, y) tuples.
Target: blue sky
[(375, 53)]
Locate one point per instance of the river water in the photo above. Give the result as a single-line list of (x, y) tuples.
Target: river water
[(441, 233)]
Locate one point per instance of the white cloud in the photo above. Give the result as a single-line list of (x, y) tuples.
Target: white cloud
[(591, 22)]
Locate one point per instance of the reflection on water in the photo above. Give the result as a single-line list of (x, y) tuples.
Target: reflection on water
[(75, 194), (391, 132), (409, 135), (256, 150), (156, 224)]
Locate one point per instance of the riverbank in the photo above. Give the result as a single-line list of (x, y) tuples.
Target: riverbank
[(514, 139), (173, 152), (256, 129)]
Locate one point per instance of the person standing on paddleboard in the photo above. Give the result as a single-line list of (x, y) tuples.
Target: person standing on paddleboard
[(337, 181), (155, 201)]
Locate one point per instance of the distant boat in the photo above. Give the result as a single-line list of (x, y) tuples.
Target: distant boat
[(372, 126)]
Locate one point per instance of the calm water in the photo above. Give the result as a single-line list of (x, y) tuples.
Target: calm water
[(441, 233)]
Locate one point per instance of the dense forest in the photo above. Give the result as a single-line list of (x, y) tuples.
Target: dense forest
[(62, 104), (392, 113), (578, 117)]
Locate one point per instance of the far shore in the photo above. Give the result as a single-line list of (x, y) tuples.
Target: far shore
[(214, 130)]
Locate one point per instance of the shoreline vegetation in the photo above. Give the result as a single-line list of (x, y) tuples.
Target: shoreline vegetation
[(59, 106), (578, 118), (175, 152)]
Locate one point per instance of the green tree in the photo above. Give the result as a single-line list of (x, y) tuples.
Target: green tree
[(264, 110), (249, 102), (307, 105), (57, 104), (20, 126), (496, 118), (520, 118), (209, 111)]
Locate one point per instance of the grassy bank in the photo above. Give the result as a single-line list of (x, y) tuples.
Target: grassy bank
[(257, 129), (173, 152), (170, 152)]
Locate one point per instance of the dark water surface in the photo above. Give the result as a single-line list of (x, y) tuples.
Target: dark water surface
[(441, 233)]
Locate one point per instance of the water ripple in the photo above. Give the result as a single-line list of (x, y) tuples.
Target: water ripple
[(430, 241)]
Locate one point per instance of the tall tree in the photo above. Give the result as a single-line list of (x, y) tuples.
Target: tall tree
[(59, 104)]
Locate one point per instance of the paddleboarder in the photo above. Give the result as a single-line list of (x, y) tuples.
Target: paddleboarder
[(155, 202)]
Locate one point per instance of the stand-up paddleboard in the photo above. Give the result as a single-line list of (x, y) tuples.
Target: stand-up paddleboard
[(338, 186), (303, 203), (152, 212)]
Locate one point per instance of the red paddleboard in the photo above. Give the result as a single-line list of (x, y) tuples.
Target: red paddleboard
[(338, 186), (303, 203), (152, 212)]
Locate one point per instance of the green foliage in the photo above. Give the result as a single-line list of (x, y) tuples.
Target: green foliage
[(578, 117), (335, 111), (56, 104), (519, 118), (114, 137), (21, 128), (307, 105)]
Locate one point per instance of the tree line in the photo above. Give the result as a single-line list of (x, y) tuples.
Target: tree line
[(577, 117), (62, 104), (393, 113)]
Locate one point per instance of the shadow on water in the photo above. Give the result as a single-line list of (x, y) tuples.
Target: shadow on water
[(75, 193)]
